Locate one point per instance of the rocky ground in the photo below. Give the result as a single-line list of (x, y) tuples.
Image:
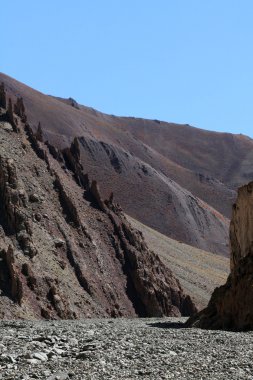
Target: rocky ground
[(121, 349)]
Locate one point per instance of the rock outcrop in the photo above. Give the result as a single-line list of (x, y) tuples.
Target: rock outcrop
[(10, 276), (2, 96), (19, 109), (65, 252), (231, 305)]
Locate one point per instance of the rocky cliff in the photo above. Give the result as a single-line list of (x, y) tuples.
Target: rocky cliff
[(231, 305), (65, 252)]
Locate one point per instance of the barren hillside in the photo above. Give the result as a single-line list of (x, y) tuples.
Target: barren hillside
[(198, 271), (64, 251), (174, 178)]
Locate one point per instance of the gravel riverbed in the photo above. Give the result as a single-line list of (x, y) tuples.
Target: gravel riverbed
[(121, 349)]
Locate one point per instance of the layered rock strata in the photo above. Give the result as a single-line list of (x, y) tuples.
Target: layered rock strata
[(231, 305)]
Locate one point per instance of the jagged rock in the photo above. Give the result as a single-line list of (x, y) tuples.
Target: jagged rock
[(10, 200), (75, 149), (30, 276), (19, 109), (147, 299), (154, 289), (76, 255), (9, 274), (231, 306), (39, 133), (94, 189), (241, 227), (13, 203), (35, 143), (73, 103), (10, 116), (2, 96), (72, 159), (68, 206), (54, 151)]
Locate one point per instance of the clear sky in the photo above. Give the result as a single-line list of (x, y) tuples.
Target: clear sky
[(186, 61)]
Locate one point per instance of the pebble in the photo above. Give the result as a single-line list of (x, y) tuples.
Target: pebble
[(40, 356), (34, 198), (58, 242), (118, 349)]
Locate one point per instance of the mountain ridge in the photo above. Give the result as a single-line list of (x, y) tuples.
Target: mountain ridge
[(139, 159)]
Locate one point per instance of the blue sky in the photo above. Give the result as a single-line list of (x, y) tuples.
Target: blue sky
[(186, 61)]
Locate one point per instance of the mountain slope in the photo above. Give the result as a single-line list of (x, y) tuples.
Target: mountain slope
[(198, 271), (64, 252), (174, 178)]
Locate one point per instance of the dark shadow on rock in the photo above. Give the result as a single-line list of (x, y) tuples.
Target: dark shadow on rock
[(168, 325)]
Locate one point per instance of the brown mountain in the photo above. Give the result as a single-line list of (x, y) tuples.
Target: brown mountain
[(64, 251), (174, 178), (230, 306)]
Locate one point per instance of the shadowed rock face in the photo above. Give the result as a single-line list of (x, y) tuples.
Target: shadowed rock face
[(231, 305), (65, 252)]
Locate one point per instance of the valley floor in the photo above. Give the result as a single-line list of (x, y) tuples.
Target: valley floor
[(121, 349)]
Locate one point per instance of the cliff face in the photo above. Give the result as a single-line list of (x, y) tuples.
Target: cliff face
[(241, 228), (231, 305), (64, 251)]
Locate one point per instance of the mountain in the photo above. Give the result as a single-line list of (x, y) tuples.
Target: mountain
[(176, 179), (230, 306), (64, 251)]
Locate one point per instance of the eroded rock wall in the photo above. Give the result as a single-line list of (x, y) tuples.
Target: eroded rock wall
[(231, 305), (241, 227)]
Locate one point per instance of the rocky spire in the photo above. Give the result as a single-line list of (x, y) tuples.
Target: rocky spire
[(2, 96), (19, 109), (39, 133), (10, 112)]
